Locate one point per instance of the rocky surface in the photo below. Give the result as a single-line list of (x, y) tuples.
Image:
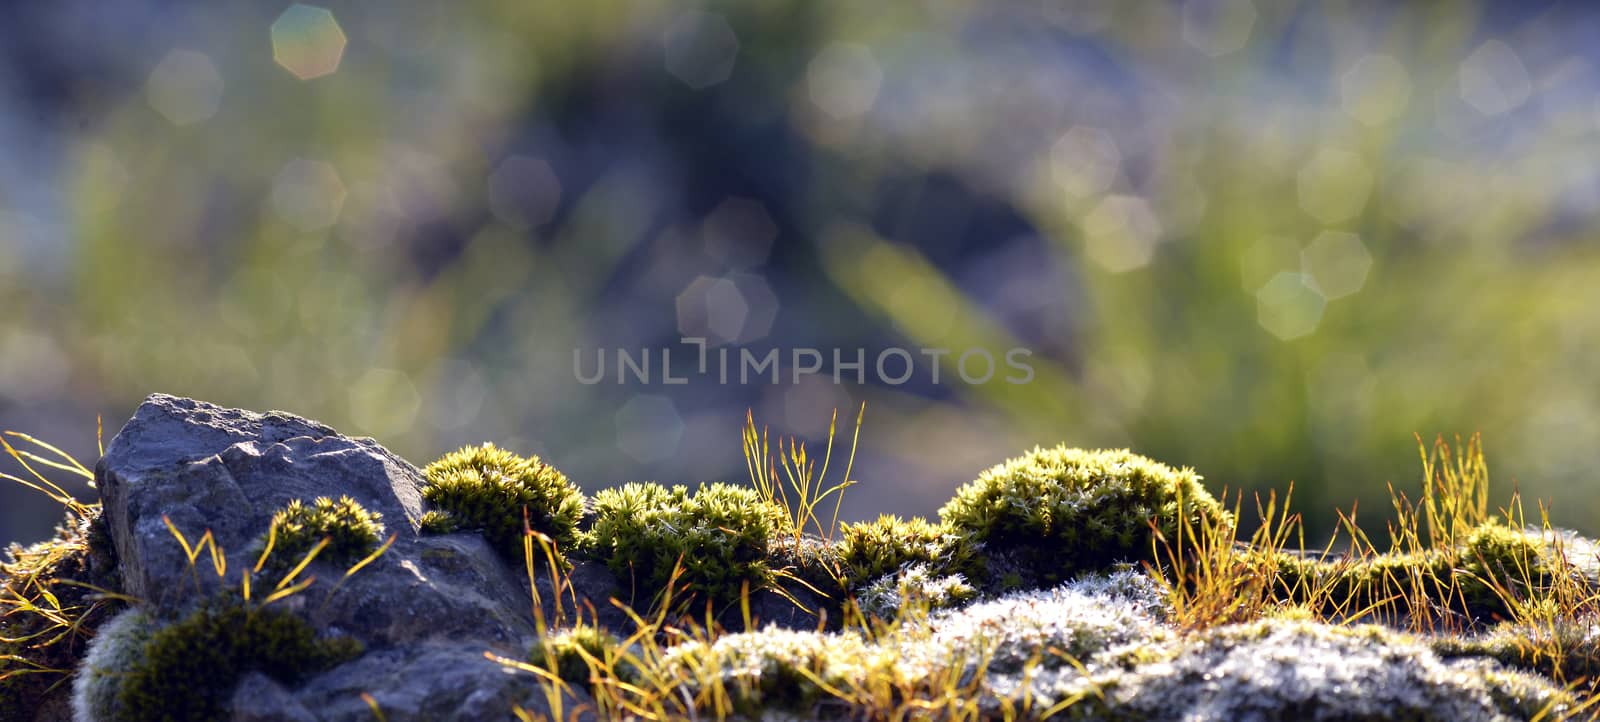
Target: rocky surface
[(429, 610), (426, 611)]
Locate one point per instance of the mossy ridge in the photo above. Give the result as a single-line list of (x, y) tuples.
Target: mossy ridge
[(1471, 580), (49, 616), (490, 489), (722, 536), (351, 530), (1062, 511), (187, 669)]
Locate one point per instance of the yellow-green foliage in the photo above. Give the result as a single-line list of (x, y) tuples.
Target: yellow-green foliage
[(1493, 568), (871, 549), (46, 614), (352, 531), (189, 668), (1059, 512), (723, 535), (560, 653), (490, 489), (775, 669)]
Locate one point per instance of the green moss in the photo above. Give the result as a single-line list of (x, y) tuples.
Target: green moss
[(778, 669), (352, 531), (491, 489), (723, 534), (560, 653), (1060, 512), (187, 670), (870, 550)]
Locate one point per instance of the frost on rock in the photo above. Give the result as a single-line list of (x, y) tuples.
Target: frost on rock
[(917, 583), (1295, 670), (1096, 617)]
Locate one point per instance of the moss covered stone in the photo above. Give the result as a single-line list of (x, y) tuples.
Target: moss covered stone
[(723, 536), (575, 654), (1477, 581), (187, 669), (352, 531), (1059, 512), (493, 490)]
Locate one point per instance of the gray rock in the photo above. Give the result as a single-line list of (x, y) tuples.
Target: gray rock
[(437, 681), (427, 610)]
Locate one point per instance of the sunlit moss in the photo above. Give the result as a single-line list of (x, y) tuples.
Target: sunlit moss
[(871, 549), (722, 535), (351, 530), (560, 653), (498, 492), (1062, 511)]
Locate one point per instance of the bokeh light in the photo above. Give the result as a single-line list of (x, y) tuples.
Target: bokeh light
[(1121, 233), (307, 41), (1289, 306), (1334, 185), (1493, 79), (843, 80), (701, 49), (1375, 90), (1336, 263), (1085, 161), (308, 194), (185, 87), (1204, 218)]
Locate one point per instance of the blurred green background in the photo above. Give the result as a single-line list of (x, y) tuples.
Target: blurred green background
[(1269, 240)]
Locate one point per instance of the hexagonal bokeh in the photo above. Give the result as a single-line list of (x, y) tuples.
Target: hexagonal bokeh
[(1267, 257), (1334, 185), (307, 41), (700, 48), (649, 428), (1289, 306), (737, 309), (1218, 27), (1121, 233), (739, 233), (524, 192), (1375, 90), (843, 80), (185, 87), (1494, 80), (1085, 161), (1337, 263), (308, 194)]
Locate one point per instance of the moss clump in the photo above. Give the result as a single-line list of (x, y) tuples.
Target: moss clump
[(187, 670), (564, 653), (779, 669), (490, 489), (1060, 512), (352, 531), (723, 535), (872, 549)]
